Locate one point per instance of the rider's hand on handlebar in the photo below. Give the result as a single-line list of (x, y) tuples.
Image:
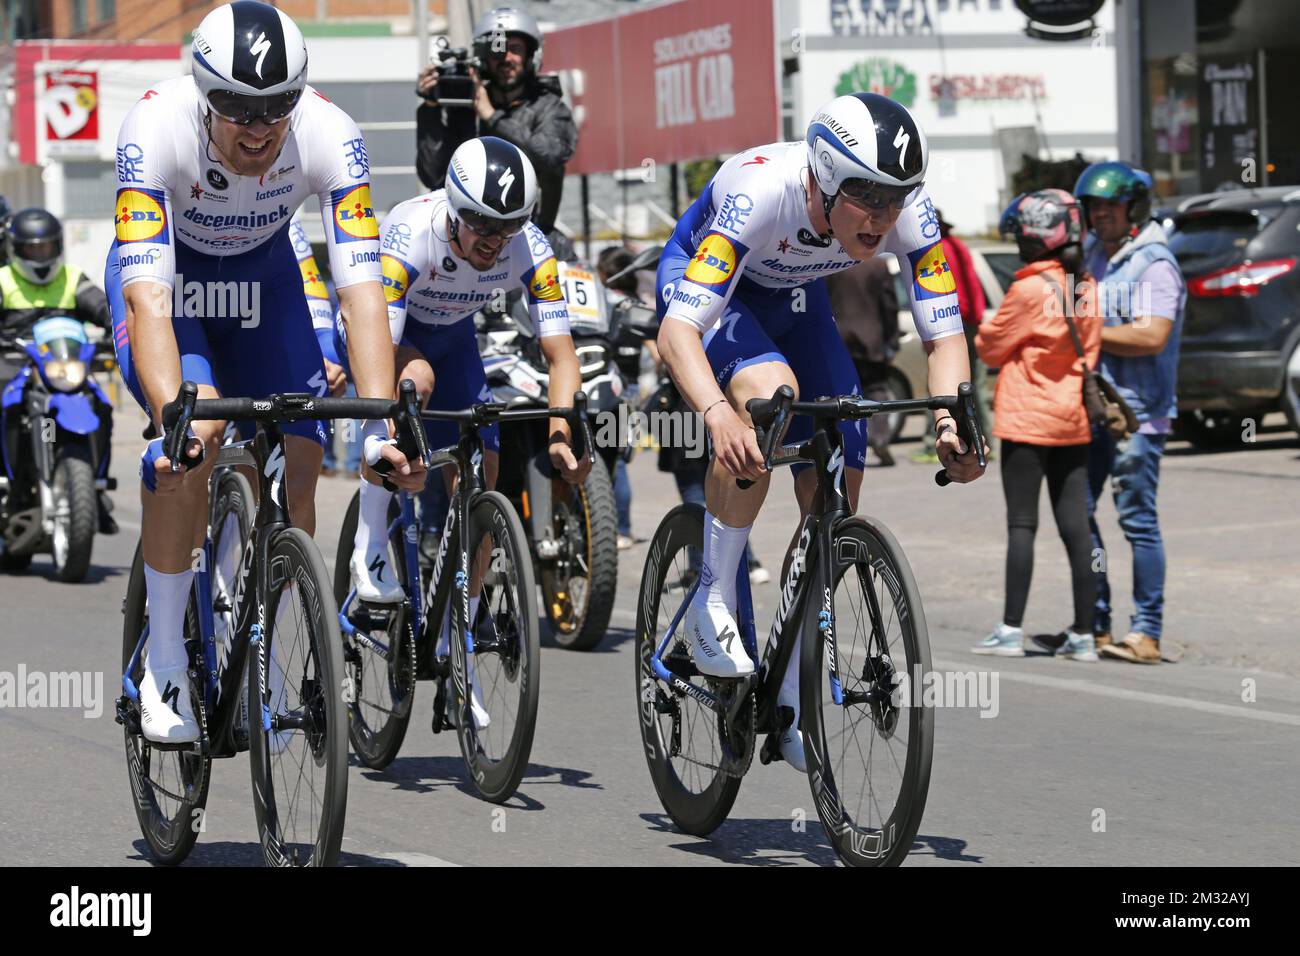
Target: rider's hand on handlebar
[(407, 475), (570, 468), (957, 459), (735, 444), (168, 481), (335, 379)]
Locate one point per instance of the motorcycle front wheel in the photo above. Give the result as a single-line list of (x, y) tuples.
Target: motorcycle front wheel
[(75, 516)]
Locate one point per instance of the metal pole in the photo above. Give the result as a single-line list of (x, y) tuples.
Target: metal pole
[(586, 217), (421, 34)]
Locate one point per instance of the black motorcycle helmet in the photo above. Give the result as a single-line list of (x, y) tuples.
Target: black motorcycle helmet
[(36, 245), (6, 213)]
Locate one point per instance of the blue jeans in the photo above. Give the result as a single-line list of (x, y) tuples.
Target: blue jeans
[(1133, 467), (622, 496)]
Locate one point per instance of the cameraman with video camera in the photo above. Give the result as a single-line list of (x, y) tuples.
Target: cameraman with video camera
[(508, 98)]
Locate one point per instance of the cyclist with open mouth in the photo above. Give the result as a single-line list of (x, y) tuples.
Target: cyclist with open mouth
[(745, 311)]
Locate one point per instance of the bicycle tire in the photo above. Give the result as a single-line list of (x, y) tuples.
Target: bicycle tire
[(863, 542), (697, 811), (294, 559), (592, 506)]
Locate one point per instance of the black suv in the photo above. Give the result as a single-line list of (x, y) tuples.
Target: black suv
[(1239, 253)]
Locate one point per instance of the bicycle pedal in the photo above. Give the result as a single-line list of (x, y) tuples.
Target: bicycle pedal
[(771, 750)]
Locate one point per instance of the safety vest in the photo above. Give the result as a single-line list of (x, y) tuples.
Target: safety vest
[(58, 294)]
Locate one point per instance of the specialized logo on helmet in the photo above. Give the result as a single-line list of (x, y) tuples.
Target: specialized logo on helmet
[(932, 273), (140, 216), (396, 276), (714, 262), (260, 48), (354, 214), (545, 283), (313, 286)]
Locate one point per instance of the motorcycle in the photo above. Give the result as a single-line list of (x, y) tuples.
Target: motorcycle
[(56, 426), (572, 531)]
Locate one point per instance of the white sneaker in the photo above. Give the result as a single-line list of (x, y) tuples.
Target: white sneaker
[(715, 642), (166, 714), (482, 719), (375, 578)]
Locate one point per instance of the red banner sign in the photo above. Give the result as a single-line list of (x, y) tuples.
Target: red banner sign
[(676, 82)]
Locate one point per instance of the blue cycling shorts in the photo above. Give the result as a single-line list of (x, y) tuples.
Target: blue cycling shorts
[(458, 379), (792, 326), (241, 323)]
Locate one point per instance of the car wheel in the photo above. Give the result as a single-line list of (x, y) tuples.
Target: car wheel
[(1291, 390)]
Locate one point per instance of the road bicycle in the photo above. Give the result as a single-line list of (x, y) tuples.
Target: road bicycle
[(849, 592), (387, 648), (262, 634)]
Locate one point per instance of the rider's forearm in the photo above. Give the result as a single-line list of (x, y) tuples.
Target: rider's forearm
[(683, 356), (154, 353), (949, 367), (370, 342), (565, 378)]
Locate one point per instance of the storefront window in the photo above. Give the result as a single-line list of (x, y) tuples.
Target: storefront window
[(1217, 77)]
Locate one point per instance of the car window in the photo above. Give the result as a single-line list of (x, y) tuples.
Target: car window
[(1004, 266), (1209, 236)]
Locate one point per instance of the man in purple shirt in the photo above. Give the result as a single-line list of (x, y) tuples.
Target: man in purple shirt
[(1141, 295)]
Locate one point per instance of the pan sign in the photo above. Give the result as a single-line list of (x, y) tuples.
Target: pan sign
[(1060, 19), (70, 106)]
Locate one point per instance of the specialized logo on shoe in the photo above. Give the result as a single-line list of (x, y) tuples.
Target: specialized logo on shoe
[(377, 566), (725, 639), (174, 693), (703, 645)]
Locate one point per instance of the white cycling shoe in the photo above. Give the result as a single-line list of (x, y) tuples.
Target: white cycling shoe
[(482, 719), (715, 642), (166, 713), (792, 737), (375, 578)]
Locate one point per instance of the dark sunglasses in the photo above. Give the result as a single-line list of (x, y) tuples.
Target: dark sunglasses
[(875, 196), (490, 228), (242, 109)]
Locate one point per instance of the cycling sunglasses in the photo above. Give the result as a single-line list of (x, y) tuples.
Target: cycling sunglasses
[(487, 228), (866, 194), (242, 109)]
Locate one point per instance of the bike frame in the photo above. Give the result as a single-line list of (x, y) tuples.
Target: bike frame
[(222, 684)]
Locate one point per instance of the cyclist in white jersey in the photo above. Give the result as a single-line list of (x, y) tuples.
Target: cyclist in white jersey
[(204, 286), (445, 256), (745, 311)]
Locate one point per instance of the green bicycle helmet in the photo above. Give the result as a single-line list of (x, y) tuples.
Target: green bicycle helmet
[(1116, 180)]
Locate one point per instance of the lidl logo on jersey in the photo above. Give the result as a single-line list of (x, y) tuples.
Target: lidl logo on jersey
[(354, 214), (545, 283), (714, 262), (933, 275), (312, 284), (397, 277), (140, 216)]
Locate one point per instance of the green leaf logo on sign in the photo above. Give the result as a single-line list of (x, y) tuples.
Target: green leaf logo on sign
[(879, 75)]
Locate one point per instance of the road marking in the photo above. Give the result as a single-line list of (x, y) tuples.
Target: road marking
[(1142, 696), (413, 859)]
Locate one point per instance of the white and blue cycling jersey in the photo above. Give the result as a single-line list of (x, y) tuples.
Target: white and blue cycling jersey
[(745, 267)]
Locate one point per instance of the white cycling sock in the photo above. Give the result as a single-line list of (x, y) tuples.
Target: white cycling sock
[(168, 596), (372, 520), (723, 548), (444, 641)]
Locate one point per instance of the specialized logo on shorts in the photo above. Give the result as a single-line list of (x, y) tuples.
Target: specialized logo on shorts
[(397, 276), (140, 216), (313, 286), (714, 262), (354, 214), (932, 273), (544, 286)]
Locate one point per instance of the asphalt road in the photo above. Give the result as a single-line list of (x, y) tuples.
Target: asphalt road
[(1187, 763)]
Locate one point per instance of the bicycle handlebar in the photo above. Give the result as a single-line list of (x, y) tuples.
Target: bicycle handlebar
[(487, 413)]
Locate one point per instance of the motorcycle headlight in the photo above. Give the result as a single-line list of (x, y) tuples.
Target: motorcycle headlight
[(66, 375)]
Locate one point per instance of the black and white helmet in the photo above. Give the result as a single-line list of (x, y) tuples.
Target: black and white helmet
[(489, 178), (869, 137), (504, 21), (250, 59)]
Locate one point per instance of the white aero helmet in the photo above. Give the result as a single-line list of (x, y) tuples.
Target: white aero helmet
[(867, 137), (491, 185), (250, 61)]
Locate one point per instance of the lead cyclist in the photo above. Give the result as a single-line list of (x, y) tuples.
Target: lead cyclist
[(210, 170), (746, 310)]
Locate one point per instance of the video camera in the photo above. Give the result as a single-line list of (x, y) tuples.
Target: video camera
[(455, 86)]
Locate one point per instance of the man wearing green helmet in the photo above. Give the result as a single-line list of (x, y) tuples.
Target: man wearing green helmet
[(1141, 295)]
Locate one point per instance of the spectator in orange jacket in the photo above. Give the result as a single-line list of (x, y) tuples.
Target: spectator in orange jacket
[(971, 302), (1040, 414)]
